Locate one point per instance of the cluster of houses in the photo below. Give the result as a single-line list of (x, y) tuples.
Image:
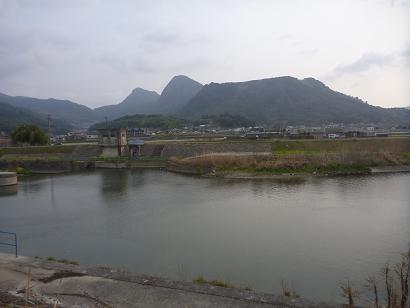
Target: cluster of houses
[(331, 131), (128, 141), (326, 132), (74, 136)]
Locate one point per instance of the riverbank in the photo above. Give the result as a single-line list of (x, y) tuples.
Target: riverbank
[(34, 282), (303, 158), (288, 165), (244, 159)]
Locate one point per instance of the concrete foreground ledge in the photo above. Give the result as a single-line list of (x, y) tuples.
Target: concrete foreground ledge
[(30, 282)]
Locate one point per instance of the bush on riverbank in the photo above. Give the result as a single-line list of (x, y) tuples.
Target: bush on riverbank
[(22, 171), (29, 134)]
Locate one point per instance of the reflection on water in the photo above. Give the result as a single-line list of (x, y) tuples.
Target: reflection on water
[(114, 184), (32, 184), (8, 190), (313, 232)]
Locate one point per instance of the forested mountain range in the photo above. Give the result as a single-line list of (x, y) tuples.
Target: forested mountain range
[(11, 117), (272, 101), (287, 100)]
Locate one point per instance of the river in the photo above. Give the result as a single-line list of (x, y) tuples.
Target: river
[(314, 233)]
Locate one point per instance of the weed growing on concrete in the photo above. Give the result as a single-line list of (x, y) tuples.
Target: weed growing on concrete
[(396, 280), (288, 291), (349, 292), (64, 261), (215, 282)]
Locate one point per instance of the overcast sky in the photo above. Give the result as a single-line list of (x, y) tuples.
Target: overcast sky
[(95, 52)]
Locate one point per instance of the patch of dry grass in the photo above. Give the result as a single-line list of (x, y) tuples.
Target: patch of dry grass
[(319, 162)]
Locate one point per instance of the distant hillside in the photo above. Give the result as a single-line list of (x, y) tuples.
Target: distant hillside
[(287, 100), (139, 101), (141, 120), (11, 117), (279, 101), (225, 120), (177, 94), (72, 113)]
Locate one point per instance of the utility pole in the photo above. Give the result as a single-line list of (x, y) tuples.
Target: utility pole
[(49, 128)]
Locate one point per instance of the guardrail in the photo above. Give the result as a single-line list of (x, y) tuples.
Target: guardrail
[(14, 236)]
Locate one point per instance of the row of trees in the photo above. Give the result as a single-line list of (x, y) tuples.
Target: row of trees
[(29, 134)]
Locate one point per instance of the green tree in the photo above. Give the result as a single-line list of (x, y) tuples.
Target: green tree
[(29, 134)]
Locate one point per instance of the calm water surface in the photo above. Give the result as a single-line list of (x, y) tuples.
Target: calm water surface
[(314, 233)]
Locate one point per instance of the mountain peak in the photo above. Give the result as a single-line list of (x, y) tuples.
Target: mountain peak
[(179, 90), (140, 93), (138, 101), (139, 90), (313, 82), (181, 77), (183, 81)]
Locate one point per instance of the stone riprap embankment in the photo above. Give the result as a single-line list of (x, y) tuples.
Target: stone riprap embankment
[(30, 282), (182, 149)]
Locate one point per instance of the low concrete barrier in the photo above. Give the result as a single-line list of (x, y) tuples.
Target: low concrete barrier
[(130, 164), (8, 178)]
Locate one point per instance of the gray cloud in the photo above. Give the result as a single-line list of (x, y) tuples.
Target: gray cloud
[(406, 55), (96, 51), (284, 37), (366, 62), (394, 3), (162, 38), (309, 52), (391, 3)]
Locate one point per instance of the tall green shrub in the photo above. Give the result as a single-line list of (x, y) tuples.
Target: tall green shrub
[(29, 134)]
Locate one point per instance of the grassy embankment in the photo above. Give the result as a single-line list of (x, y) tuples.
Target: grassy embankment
[(36, 152), (349, 156), (56, 153), (320, 157)]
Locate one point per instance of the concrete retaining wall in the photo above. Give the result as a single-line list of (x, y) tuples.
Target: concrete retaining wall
[(130, 164), (44, 166), (110, 165), (8, 178)]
